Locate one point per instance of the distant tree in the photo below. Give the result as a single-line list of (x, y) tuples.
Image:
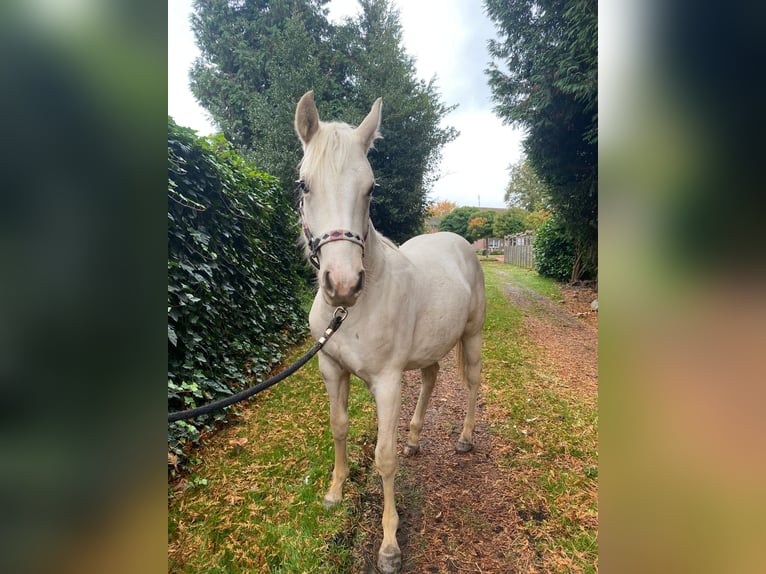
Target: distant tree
[(440, 208), (543, 77), (525, 188), (514, 220), (457, 221), (537, 218), (480, 227)]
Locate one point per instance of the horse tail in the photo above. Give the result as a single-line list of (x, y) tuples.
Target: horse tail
[(460, 360)]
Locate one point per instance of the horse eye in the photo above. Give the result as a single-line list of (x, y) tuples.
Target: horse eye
[(303, 187)]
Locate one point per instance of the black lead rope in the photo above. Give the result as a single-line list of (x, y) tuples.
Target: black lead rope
[(338, 316)]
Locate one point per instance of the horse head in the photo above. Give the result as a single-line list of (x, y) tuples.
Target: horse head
[(336, 183)]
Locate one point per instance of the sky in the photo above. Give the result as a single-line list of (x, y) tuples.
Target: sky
[(447, 39)]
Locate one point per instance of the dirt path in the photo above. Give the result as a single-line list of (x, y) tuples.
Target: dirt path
[(457, 511), (568, 332)]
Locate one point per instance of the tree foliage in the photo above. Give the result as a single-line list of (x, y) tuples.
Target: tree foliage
[(544, 78), (536, 218), (406, 159), (441, 208), (258, 57), (232, 289), (526, 189), (480, 227), (458, 219), (513, 220)]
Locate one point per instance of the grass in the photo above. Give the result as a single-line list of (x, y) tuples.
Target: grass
[(252, 501), (258, 507), (525, 278), (553, 430)]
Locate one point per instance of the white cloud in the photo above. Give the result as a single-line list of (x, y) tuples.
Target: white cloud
[(475, 164), (432, 34), (181, 53), (448, 39)]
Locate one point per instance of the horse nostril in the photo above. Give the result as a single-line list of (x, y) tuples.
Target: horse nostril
[(328, 282), (360, 283)]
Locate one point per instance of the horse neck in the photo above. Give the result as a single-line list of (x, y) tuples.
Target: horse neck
[(380, 255)]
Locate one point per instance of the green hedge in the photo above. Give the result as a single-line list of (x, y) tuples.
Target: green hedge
[(554, 251), (234, 277)]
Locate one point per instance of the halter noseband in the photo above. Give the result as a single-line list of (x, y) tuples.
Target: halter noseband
[(316, 243)]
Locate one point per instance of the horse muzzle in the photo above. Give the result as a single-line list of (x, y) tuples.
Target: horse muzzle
[(342, 289)]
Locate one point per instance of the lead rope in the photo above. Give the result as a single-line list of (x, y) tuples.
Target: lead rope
[(338, 316)]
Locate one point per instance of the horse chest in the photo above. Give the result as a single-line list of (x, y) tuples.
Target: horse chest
[(363, 350)]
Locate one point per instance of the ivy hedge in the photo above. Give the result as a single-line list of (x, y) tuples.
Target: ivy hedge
[(234, 277)]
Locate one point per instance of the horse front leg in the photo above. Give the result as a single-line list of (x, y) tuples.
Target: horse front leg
[(336, 381), (387, 393)]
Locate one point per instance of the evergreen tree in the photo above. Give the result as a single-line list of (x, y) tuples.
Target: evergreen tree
[(258, 57), (544, 78)]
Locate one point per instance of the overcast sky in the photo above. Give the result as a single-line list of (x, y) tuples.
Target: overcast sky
[(448, 39)]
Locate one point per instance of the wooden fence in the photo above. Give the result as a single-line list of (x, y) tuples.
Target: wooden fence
[(518, 249)]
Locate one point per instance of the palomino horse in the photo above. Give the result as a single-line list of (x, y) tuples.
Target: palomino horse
[(411, 305)]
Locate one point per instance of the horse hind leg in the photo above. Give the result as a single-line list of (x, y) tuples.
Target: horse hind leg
[(428, 375), (469, 367)]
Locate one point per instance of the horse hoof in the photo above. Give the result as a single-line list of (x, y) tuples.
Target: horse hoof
[(461, 446), (390, 561), (329, 502), (410, 450)]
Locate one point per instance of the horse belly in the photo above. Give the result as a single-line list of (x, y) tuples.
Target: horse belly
[(449, 273), (428, 358), (435, 337)]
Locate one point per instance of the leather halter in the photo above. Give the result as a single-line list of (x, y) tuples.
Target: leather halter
[(315, 243)]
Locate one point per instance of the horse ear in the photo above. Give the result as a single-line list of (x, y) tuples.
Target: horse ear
[(306, 118), (368, 129)]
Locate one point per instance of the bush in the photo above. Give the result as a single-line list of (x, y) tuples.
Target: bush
[(554, 251), (233, 276)]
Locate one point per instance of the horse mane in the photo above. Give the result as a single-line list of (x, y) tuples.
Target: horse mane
[(387, 241)]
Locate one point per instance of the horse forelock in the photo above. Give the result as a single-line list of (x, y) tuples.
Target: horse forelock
[(328, 150)]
